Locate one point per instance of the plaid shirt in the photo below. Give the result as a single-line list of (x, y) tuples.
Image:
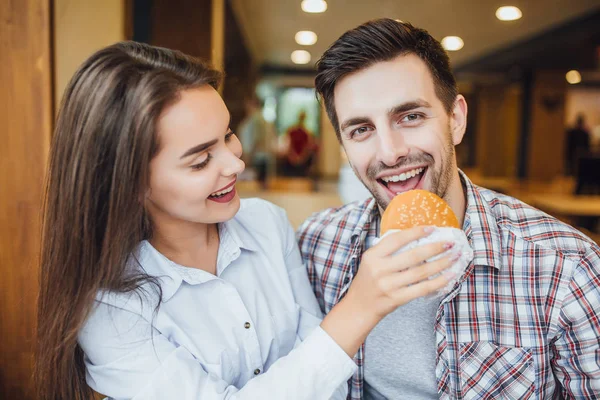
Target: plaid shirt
[(522, 322)]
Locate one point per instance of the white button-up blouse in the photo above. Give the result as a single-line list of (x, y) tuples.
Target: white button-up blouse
[(250, 332)]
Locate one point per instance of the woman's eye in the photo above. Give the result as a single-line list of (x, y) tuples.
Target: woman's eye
[(229, 135), (202, 164)]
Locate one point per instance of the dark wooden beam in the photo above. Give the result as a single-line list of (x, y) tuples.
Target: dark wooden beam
[(572, 45)]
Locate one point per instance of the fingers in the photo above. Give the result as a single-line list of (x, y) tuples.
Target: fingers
[(417, 256), (420, 289), (396, 240), (422, 273)]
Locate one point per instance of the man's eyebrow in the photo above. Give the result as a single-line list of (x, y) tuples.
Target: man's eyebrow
[(354, 121), (410, 105)]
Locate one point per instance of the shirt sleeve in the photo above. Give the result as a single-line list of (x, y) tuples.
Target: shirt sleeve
[(577, 349), (310, 312)]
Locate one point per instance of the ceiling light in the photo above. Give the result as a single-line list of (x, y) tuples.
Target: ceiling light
[(306, 38), (300, 57), (452, 43), (573, 77), (314, 6), (508, 13)]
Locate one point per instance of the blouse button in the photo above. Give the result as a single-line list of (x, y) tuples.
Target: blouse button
[(256, 371), (247, 325)]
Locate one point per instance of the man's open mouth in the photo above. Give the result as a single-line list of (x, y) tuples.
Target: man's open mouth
[(402, 182)]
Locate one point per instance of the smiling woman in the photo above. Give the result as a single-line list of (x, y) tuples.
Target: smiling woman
[(199, 158)]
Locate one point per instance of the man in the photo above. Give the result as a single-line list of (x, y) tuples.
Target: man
[(578, 144), (523, 321)]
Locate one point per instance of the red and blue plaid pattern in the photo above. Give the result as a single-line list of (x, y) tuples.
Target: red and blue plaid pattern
[(523, 321)]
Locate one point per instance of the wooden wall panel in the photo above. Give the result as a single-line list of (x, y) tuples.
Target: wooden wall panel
[(497, 122), (240, 71), (183, 25), (82, 27), (512, 110), (25, 126), (547, 137)]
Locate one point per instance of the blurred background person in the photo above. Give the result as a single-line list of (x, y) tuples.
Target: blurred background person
[(300, 149), (578, 144), (258, 141)]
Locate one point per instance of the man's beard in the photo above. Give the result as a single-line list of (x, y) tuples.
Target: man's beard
[(440, 178)]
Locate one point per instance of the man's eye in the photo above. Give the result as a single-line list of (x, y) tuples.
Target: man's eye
[(412, 118), (359, 131)]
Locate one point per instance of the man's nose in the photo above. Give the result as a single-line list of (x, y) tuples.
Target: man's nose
[(392, 146)]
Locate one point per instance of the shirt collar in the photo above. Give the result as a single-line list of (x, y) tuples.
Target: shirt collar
[(231, 231), (154, 263), (231, 243), (364, 214), (481, 227)]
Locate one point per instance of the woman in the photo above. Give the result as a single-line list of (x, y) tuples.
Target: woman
[(156, 280)]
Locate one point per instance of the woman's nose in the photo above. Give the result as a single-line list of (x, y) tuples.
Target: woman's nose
[(232, 164)]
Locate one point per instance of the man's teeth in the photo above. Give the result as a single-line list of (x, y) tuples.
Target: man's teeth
[(403, 176), (216, 194)]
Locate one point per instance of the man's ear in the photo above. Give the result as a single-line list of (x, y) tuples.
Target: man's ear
[(458, 119)]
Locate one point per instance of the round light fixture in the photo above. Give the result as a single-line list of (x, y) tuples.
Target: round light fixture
[(300, 57), (573, 77), (452, 43), (508, 13), (314, 6), (306, 38)]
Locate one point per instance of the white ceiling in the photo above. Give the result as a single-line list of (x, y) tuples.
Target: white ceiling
[(269, 26)]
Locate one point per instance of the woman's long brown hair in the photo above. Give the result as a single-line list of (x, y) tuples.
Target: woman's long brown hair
[(94, 218)]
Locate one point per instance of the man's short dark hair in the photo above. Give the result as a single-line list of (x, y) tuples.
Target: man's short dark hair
[(382, 40)]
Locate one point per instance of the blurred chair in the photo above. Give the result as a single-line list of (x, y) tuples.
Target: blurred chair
[(592, 235), (588, 175), (291, 184)]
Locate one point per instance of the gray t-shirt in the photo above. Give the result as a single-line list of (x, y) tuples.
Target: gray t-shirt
[(400, 352)]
